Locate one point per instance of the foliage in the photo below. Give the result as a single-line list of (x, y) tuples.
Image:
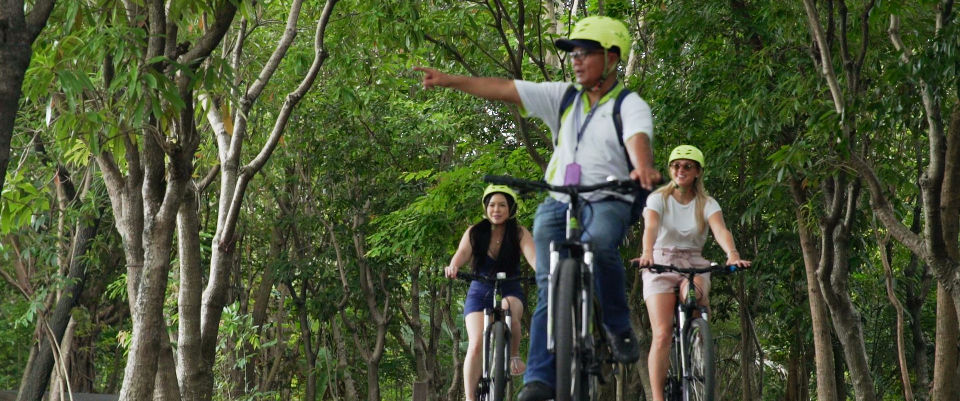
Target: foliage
[(374, 171)]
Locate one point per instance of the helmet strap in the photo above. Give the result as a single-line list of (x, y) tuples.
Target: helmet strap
[(606, 73)]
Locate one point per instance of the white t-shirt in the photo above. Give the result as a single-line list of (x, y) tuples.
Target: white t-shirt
[(678, 223), (599, 153)]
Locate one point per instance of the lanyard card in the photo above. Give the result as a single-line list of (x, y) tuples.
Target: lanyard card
[(572, 175)]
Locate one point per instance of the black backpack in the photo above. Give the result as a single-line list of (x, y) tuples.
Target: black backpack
[(640, 197)]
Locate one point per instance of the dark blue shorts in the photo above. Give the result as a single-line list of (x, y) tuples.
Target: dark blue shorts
[(480, 295)]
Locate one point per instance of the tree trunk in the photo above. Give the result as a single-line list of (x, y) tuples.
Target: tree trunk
[(149, 327), (819, 318), (456, 364), (749, 387), (235, 178), (833, 275), (189, 365), (59, 384), (373, 380), (306, 338), (797, 373), (36, 375), (17, 33), (15, 51), (886, 260), (343, 365), (945, 364), (916, 287), (166, 388)]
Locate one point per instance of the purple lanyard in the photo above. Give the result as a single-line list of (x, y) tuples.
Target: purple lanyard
[(581, 128)]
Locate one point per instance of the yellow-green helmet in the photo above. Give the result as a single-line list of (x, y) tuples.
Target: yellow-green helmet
[(686, 152), (609, 33), (512, 198)]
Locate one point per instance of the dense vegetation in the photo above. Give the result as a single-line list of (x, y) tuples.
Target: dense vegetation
[(242, 199)]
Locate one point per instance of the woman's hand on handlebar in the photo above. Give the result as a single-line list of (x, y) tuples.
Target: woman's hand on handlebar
[(734, 259), (450, 271), (645, 260)]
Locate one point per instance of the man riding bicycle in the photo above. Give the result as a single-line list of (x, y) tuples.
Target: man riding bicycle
[(587, 151)]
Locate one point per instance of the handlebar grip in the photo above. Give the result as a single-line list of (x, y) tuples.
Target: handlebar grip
[(466, 276), (500, 179)]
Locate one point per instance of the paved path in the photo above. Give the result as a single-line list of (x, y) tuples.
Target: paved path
[(12, 396)]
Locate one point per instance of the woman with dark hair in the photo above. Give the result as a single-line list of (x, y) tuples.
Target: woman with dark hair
[(491, 246)]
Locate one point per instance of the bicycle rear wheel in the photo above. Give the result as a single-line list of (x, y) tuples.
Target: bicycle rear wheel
[(570, 374), (499, 365), (700, 384)]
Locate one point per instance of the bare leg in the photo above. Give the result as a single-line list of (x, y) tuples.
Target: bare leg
[(660, 309), (472, 362)]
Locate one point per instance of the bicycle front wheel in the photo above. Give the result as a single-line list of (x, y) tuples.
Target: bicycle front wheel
[(499, 365), (672, 390), (700, 383), (566, 310)]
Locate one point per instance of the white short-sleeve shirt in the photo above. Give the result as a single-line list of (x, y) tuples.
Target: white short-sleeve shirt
[(678, 223), (599, 153)]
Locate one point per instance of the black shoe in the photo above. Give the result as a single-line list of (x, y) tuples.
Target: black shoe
[(535, 391), (626, 348)]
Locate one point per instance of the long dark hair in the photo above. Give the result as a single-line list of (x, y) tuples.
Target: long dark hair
[(509, 258)]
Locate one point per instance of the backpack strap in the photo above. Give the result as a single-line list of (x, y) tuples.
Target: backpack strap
[(618, 124), (568, 97)]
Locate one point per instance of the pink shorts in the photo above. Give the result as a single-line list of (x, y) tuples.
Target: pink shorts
[(659, 283)]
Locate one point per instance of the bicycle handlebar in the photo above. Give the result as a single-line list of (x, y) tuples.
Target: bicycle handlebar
[(472, 276), (622, 186), (715, 268)]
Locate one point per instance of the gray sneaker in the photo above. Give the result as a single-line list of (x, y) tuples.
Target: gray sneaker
[(535, 391), (625, 347)]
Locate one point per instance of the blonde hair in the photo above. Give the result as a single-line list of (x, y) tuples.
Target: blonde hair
[(700, 196)]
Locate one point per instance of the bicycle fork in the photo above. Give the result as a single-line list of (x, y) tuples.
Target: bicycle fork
[(684, 317), (586, 293), (489, 318)]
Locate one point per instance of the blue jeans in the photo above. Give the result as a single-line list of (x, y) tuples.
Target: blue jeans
[(605, 224)]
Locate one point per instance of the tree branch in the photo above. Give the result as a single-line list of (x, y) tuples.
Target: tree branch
[(223, 18), (293, 98), (270, 67), (37, 19), (865, 36), (456, 54), (884, 210), (826, 63)]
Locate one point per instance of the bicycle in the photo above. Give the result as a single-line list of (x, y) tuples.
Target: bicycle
[(496, 339), (690, 375), (574, 320)]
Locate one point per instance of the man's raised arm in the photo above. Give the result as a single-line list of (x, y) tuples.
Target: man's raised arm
[(483, 87)]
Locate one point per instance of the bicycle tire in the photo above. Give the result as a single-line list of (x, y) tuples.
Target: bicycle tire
[(499, 366), (701, 381), (565, 319), (671, 386)]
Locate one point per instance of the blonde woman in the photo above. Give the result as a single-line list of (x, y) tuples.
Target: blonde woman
[(675, 229)]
